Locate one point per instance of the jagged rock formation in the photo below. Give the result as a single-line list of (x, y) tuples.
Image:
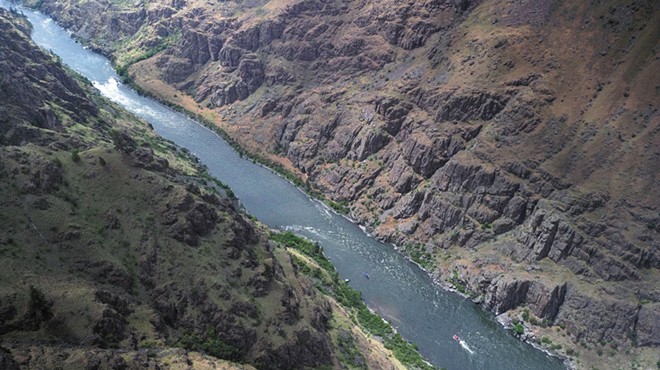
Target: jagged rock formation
[(118, 254), (507, 138)]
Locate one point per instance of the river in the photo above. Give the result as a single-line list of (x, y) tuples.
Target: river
[(396, 289)]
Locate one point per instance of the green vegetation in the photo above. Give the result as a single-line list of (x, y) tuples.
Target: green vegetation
[(519, 329), (39, 306), (419, 254), (525, 314), (455, 281), (210, 344), (207, 176), (349, 354), (308, 248), (122, 70), (75, 156), (328, 281), (341, 206)]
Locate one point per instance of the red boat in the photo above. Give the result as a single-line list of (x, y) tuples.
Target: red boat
[(456, 338)]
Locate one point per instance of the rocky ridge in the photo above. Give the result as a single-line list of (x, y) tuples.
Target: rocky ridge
[(119, 251), (509, 147)]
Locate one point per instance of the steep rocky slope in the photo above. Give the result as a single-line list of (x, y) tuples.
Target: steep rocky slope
[(119, 251), (510, 147)]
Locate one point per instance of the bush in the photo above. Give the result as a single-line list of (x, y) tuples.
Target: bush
[(373, 323), (341, 207), (519, 329), (210, 344), (349, 354), (75, 156), (406, 353), (348, 296), (39, 309)]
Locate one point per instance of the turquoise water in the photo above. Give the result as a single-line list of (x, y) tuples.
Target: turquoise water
[(397, 289)]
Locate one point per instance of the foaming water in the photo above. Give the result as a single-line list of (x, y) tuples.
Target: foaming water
[(392, 286)]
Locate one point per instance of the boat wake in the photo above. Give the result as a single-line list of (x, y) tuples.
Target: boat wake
[(466, 347), (463, 344)]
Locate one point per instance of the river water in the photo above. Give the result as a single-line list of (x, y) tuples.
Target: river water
[(396, 289)]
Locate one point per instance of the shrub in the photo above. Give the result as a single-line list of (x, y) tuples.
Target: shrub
[(348, 296), (519, 329), (39, 308), (373, 323), (75, 156), (341, 207), (210, 344)]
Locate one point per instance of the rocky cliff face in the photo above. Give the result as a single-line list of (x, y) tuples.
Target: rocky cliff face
[(509, 147), (119, 252)]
